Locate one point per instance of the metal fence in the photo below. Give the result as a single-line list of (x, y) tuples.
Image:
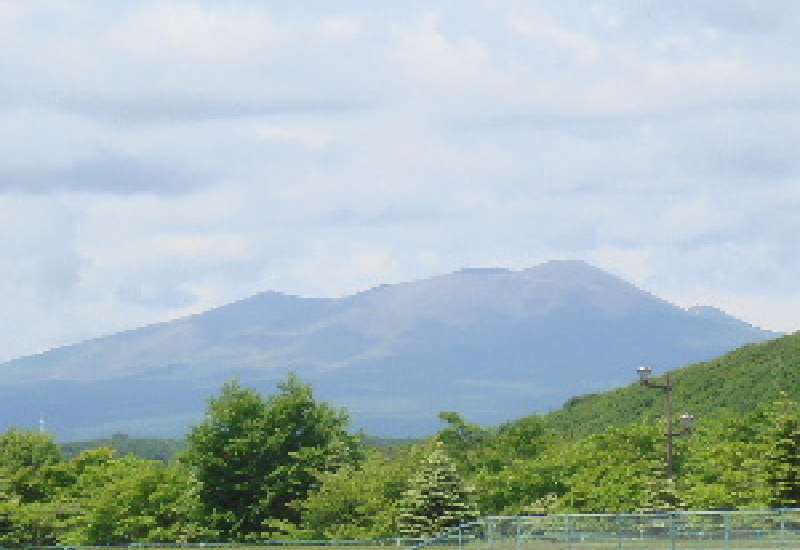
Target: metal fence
[(739, 530), (734, 530)]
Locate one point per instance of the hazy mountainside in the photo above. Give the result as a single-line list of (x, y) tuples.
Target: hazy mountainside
[(493, 344), (736, 382)]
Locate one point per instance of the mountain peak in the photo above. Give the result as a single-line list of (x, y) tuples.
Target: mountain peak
[(491, 342), (483, 271), (571, 268)]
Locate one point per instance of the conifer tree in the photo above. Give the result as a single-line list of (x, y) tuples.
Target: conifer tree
[(436, 498)]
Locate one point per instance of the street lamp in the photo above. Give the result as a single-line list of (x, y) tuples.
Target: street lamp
[(687, 420)]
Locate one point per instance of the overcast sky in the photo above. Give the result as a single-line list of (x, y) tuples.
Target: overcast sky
[(159, 158)]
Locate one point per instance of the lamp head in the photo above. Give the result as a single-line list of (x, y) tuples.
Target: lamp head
[(644, 374), (687, 421)]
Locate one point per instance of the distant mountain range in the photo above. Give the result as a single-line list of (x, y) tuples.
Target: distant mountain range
[(493, 344)]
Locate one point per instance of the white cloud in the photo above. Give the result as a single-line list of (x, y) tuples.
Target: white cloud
[(160, 158)]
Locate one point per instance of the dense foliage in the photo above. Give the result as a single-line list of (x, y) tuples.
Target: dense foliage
[(286, 466), (257, 458), (737, 382), (149, 448)]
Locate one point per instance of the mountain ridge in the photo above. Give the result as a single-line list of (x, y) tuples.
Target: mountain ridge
[(492, 342)]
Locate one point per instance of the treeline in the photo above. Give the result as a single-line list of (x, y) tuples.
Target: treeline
[(286, 466), (150, 448)]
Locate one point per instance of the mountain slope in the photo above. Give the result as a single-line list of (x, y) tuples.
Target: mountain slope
[(738, 381), (492, 343)]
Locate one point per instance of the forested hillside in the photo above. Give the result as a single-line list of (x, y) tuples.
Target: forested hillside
[(739, 381), (289, 466)]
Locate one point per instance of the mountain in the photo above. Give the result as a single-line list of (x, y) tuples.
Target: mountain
[(737, 382), (494, 344)]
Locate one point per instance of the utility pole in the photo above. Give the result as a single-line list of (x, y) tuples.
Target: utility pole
[(686, 419)]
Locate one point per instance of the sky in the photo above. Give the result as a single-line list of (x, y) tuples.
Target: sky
[(161, 158)]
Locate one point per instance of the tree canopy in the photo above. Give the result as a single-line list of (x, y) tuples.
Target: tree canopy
[(256, 458)]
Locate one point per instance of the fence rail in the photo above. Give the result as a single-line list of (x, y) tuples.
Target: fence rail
[(735, 530)]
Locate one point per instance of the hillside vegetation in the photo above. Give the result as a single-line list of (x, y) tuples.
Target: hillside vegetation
[(737, 382), (289, 466), (147, 448)]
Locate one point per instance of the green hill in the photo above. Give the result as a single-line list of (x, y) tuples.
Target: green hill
[(149, 448), (737, 381)]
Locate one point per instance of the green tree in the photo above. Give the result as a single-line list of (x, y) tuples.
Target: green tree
[(360, 501), (462, 440), (782, 454), (129, 499), (28, 464), (436, 499), (255, 458), (25, 460), (620, 470), (724, 464), (527, 485)]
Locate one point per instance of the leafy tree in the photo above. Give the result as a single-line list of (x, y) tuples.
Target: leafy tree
[(782, 454), (29, 524), (436, 498), (620, 470), (520, 485), (25, 458), (360, 501), (462, 440), (524, 438), (722, 470), (28, 461), (255, 458), (128, 499)]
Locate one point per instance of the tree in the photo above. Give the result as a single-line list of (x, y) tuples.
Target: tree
[(436, 498), (462, 440), (25, 458), (256, 457), (29, 462), (724, 462), (782, 454), (130, 499), (360, 501), (620, 470)]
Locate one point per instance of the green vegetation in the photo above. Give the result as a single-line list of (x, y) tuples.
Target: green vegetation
[(436, 498), (149, 448), (286, 466), (737, 382), (256, 458)]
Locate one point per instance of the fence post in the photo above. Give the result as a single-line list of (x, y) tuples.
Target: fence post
[(727, 517), (672, 530), (783, 527), (460, 538), (516, 536), (619, 532), (568, 530)]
